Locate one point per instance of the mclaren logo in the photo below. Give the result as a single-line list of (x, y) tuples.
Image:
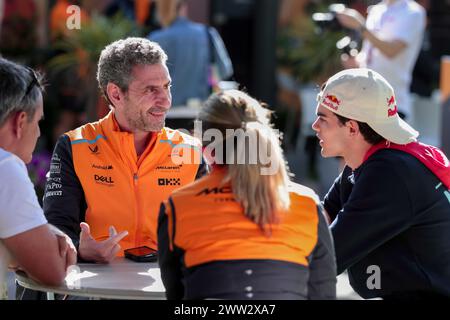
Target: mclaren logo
[(94, 149), (169, 168), (216, 190), (169, 182)]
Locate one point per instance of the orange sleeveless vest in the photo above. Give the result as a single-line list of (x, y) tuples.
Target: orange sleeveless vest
[(210, 225)]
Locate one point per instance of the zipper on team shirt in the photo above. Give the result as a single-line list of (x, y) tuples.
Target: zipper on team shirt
[(137, 238)]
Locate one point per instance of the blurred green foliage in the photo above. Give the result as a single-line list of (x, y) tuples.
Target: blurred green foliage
[(308, 53)]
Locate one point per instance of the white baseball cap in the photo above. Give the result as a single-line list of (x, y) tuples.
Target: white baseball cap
[(364, 95)]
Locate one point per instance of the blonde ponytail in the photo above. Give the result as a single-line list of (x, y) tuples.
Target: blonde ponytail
[(260, 187)]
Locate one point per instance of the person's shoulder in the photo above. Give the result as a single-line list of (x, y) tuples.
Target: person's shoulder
[(5, 155), (13, 172), (389, 156), (411, 11), (200, 26), (208, 185), (389, 163), (183, 23), (158, 34), (186, 27), (414, 8), (303, 191), (180, 137), (375, 8), (211, 184), (89, 131), (10, 163), (383, 157)]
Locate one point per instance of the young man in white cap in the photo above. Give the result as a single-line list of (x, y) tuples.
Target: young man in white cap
[(390, 207)]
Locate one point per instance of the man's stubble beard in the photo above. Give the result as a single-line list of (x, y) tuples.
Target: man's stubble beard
[(140, 123), (148, 126)]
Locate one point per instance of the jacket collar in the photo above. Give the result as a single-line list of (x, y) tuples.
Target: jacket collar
[(123, 142)]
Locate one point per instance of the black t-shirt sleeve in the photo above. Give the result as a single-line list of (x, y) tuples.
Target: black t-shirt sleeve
[(64, 202), (379, 207)]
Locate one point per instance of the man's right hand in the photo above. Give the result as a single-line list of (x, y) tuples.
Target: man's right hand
[(99, 251)]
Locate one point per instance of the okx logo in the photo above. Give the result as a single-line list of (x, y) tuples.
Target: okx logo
[(169, 181)]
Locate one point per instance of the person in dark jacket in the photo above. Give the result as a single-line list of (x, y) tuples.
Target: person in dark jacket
[(390, 207), (244, 231)]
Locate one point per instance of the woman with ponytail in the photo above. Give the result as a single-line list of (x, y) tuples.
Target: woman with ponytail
[(244, 231)]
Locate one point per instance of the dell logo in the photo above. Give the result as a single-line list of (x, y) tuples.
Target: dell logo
[(103, 179)]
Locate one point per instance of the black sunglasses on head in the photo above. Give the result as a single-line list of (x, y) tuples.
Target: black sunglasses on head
[(34, 82)]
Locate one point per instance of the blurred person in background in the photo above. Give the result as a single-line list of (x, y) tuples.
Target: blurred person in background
[(192, 49), (23, 30), (392, 38)]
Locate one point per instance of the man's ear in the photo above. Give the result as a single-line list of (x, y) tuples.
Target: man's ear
[(353, 127), (19, 120), (114, 93)]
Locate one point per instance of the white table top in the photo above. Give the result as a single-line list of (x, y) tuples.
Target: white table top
[(121, 279)]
